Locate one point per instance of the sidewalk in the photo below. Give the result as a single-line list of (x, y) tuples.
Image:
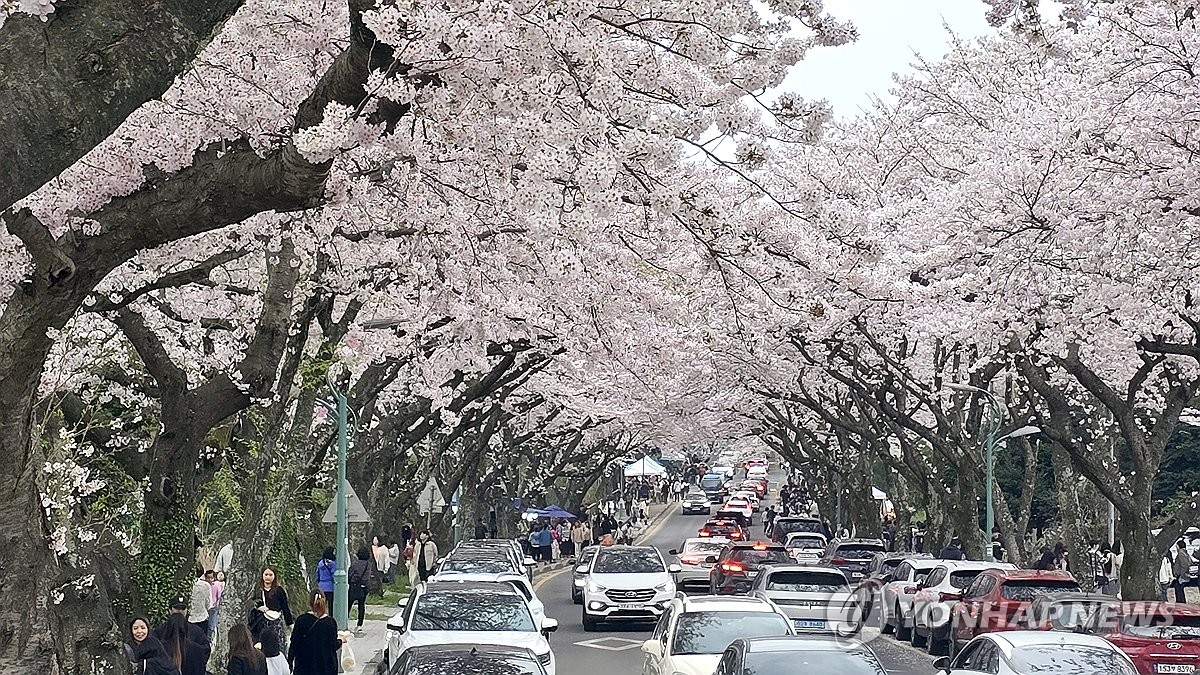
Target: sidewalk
[(368, 647)]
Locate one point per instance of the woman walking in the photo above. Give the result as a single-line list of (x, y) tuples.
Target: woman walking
[(244, 659), (218, 589), (272, 612), (358, 578), (187, 656), (426, 554), (315, 642), (276, 660), (326, 566), (379, 553)]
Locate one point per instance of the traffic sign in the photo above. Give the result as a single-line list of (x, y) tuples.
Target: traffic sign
[(355, 511), (431, 498)]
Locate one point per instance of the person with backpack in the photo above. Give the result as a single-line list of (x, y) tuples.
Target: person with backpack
[(358, 577)]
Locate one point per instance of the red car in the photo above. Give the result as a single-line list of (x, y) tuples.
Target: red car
[(999, 600), (734, 570), (1159, 637), (729, 529)]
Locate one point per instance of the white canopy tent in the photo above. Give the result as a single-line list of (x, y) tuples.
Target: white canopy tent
[(645, 467)]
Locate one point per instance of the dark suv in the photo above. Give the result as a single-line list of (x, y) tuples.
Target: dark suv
[(734, 570), (852, 556), (785, 525)]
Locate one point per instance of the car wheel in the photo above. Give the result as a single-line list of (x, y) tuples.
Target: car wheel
[(576, 598), (885, 618), (589, 623), (935, 647), (903, 630), (918, 640)]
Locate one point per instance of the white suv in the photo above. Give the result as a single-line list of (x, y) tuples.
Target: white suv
[(627, 583), (693, 632)]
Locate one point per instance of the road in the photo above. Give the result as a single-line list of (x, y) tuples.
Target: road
[(615, 650)]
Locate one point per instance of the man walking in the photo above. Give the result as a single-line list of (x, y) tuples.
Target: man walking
[(201, 602), (953, 550), (481, 529), (1181, 567)]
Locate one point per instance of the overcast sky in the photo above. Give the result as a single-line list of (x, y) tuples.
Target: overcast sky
[(890, 33)]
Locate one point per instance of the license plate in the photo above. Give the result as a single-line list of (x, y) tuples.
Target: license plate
[(1174, 668), (751, 574), (802, 624), (630, 606), (856, 575)]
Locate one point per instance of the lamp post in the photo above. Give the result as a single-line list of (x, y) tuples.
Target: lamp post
[(989, 460), (341, 584)]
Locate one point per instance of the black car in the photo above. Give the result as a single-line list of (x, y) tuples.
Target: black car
[(696, 502), (852, 556), (451, 659), (580, 571), (784, 525), (799, 654), (740, 562)]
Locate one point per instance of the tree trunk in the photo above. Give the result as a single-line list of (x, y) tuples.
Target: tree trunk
[(1139, 571)]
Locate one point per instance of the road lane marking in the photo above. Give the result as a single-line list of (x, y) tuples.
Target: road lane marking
[(543, 578), (623, 644)]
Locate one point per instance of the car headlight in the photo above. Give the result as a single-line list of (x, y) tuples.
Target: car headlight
[(594, 587), (664, 587)]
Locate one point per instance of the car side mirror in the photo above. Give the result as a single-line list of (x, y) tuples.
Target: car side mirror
[(402, 603), (652, 647), (674, 551), (674, 568), (711, 559), (942, 663), (396, 623), (549, 626), (886, 579), (581, 569)]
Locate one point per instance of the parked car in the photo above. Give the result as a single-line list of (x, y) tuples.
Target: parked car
[(852, 556), (885, 562), (722, 529), (734, 569), (694, 631), (814, 598), (518, 582), (1159, 637), (579, 575), (785, 525), (934, 601), (800, 654), (627, 583), (1071, 611), (1038, 652), (466, 659), (805, 547), (896, 596), (999, 600), (440, 613), (696, 502), (693, 555)]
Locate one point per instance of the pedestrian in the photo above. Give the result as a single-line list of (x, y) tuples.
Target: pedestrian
[(224, 558), (953, 550), (244, 659), (1046, 560), (565, 546), (1106, 582), (1181, 568), (145, 651), (218, 590), (180, 605), (1062, 557), (358, 578), (271, 611), (187, 655), (1166, 576), (277, 663), (393, 562), (315, 641), (580, 537), (326, 566), (406, 535), (380, 553), (200, 602), (426, 555), (410, 563), (481, 529), (1118, 561), (1093, 570)]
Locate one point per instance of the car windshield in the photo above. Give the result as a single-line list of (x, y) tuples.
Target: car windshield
[(711, 482), (478, 566), (471, 664), (858, 551), (1066, 659), (711, 632), (771, 556), (787, 526), (889, 566), (804, 541), (471, 611), (852, 662), (961, 580), (1162, 626), (628, 561), (703, 547), (806, 582), (1027, 591)]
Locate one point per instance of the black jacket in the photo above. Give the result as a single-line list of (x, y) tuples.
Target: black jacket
[(314, 646), (952, 552), (150, 659), (238, 665), (358, 577)]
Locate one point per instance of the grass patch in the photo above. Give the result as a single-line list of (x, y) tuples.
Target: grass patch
[(372, 616), (393, 593)]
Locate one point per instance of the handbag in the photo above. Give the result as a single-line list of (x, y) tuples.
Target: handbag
[(349, 663), (270, 614)]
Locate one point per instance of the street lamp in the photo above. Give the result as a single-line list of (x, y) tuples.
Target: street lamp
[(341, 584), (989, 461)]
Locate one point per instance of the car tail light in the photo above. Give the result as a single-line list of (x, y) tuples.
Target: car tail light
[(839, 561), (689, 559), (910, 590), (733, 567), (759, 546), (948, 597), (705, 533)]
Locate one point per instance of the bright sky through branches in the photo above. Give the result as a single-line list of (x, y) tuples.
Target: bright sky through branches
[(891, 33)]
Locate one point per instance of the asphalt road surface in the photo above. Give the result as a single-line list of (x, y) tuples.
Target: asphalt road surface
[(616, 649)]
